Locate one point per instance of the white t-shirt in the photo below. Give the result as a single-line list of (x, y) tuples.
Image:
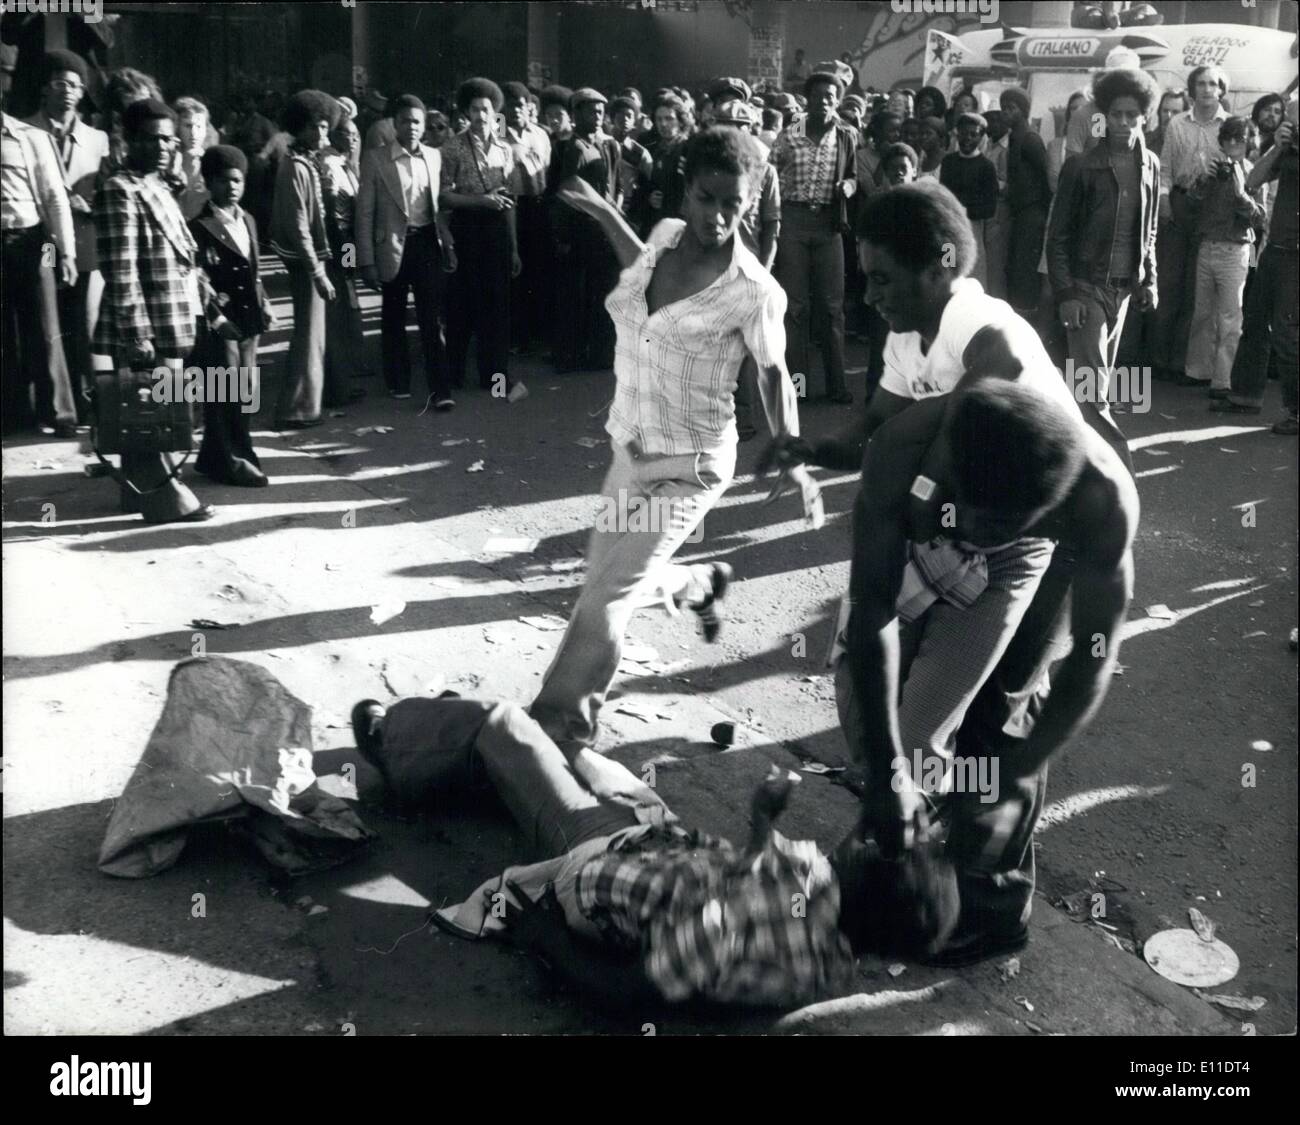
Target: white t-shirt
[(912, 372)]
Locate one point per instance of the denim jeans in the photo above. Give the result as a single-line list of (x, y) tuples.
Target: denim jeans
[(437, 746), (303, 389), (1270, 327), (810, 267), (1095, 342), (650, 503), (1216, 325)]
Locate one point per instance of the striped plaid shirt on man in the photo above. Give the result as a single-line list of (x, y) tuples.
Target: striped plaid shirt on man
[(714, 924), (675, 371), (806, 167), (152, 286)]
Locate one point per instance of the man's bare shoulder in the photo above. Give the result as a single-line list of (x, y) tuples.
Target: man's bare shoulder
[(1100, 516)]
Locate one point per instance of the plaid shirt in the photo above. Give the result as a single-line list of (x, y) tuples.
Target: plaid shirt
[(712, 923), (806, 167), (675, 372), (148, 258)]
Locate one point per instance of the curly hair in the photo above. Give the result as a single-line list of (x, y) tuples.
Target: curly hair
[(127, 85), (1125, 83), (919, 224), (474, 88), (307, 107)]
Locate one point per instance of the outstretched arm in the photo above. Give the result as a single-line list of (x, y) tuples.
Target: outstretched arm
[(581, 196)]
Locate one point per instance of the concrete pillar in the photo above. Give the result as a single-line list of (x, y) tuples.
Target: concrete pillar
[(362, 46), (767, 44), (543, 48)]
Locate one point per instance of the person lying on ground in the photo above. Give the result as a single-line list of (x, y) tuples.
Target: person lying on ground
[(628, 904)]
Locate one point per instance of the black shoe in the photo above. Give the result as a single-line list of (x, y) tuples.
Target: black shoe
[(368, 732), (1227, 406), (300, 423), (1182, 379), (709, 609), (972, 949)]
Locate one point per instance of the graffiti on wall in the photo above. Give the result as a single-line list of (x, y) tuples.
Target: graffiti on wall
[(892, 52)]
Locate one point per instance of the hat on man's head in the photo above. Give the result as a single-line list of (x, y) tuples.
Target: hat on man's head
[(721, 89), (375, 101), (584, 95), (738, 113), (786, 103), (834, 71), (349, 106), (854, 101), (8, 58)]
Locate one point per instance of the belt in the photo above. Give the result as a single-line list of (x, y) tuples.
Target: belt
[(811, 208), (426, 229)]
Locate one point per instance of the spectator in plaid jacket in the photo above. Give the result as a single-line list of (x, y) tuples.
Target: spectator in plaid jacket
[(148, 316), (774, 924)]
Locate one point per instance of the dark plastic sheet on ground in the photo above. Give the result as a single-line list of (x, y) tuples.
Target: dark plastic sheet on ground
[(232, 743)]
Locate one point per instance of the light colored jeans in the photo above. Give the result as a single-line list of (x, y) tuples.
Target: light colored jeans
[(1221, 269), (628, 566), (1095, 343)]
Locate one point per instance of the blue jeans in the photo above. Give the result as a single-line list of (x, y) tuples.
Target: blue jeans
[(650, 504), (810, 267)]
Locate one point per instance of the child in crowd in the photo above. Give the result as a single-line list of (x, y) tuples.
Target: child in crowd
[(973, 180)]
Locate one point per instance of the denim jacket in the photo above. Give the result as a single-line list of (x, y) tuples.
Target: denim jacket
[(1083, 221)]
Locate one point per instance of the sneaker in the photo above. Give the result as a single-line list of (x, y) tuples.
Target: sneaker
[(1219, 393), (1287, 427), (709, 610)]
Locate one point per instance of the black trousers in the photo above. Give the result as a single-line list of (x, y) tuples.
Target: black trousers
[(530, 290), (478, 305), (226, 435), (584, 333), (421, 271), (33, 347)]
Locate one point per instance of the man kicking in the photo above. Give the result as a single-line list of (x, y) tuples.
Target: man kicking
[(986, 500), (627, 904), (689, 304)]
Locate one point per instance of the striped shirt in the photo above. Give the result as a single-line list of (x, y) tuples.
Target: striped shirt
[(474, 167), (806, 167), (675, 372), (710, 922), (1189, 148)]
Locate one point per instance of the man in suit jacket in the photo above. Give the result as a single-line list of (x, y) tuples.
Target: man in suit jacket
[(34, 207), (237, 312), (149, 315), (83, 155), (403, 244)]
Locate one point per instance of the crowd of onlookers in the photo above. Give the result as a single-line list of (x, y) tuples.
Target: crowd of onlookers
[(155, 218)]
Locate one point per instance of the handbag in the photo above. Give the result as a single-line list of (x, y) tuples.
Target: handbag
[(131, 418)]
